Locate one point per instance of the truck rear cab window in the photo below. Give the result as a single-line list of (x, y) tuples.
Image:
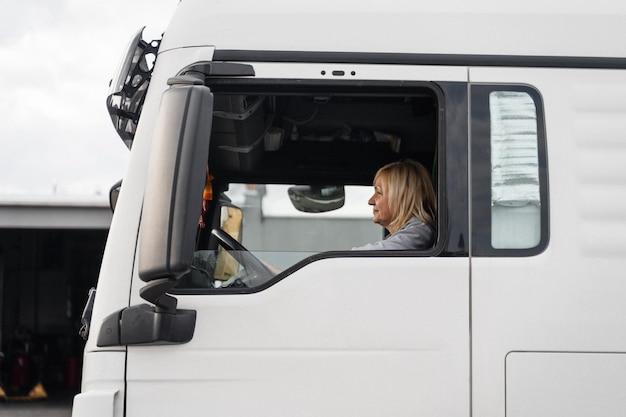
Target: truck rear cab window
[(509, 180)]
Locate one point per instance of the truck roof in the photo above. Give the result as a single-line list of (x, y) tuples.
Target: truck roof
[(449, 27)]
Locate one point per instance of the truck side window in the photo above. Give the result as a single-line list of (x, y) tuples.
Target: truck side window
[(294, 167), (509, 183), (263, 219), (515, 202)]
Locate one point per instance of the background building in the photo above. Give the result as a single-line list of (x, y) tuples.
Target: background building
[(50, 253)]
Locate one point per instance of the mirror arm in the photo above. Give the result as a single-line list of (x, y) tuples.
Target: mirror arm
[(156, 292), (143, 325)]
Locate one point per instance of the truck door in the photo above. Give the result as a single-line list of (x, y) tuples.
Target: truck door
[(547, 268), (324, 330)]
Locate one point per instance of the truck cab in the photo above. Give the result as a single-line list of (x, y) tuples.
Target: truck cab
[(230, 283)]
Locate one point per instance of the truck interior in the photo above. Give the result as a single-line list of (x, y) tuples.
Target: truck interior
[(345, 134)]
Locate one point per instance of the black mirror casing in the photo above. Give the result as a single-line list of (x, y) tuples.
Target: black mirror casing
[(176, 176)]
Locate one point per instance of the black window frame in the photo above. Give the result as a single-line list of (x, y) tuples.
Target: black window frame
[(450, 156)]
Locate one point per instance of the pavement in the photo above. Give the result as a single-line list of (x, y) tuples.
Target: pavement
[(58, 404), (42, 408)]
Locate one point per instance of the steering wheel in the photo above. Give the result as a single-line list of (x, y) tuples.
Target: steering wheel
[(257, 272)]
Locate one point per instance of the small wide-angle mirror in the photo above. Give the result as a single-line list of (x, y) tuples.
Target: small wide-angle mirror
[(114, 193), (317, 199)]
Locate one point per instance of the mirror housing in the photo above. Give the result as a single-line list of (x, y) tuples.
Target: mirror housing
[(317, 199), (175, 182), (169, 220)]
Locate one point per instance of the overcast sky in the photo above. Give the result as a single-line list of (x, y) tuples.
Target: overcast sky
[(56, 60)]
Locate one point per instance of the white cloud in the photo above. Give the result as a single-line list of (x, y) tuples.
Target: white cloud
[(58, 58)]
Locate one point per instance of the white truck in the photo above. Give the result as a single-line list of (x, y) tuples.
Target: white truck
[(518, 109)]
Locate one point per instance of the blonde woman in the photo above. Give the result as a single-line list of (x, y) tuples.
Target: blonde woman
[(404, 203)]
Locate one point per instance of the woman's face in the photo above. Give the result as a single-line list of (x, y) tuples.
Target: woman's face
[(380, 205)]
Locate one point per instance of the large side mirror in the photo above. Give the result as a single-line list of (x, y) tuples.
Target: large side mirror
[(315, 199), (173, 196)]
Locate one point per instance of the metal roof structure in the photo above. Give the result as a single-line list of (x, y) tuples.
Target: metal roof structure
[(54, 212)]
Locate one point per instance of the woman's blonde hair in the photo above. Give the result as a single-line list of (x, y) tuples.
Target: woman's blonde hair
[(409, 192)]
